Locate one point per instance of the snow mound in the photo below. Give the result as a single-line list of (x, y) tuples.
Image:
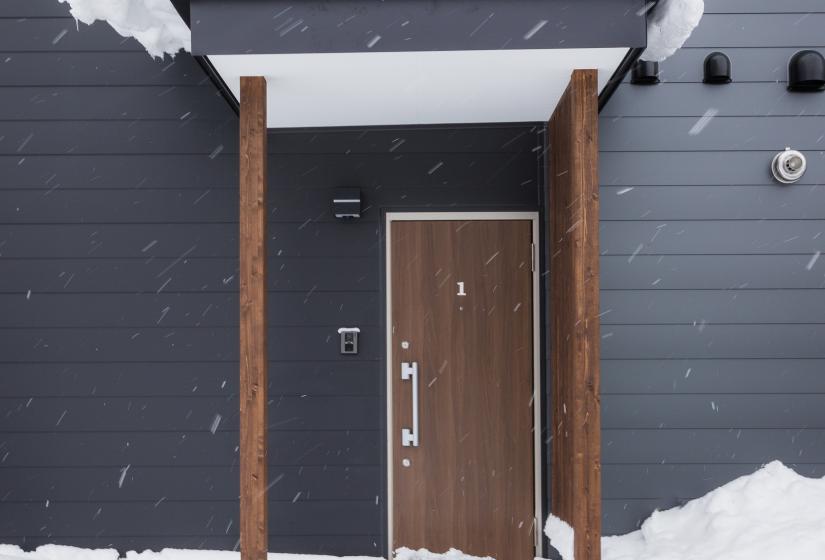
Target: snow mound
[(669, 26), (56, 552), (154, 23), (772, 513), (561, 536), (424, 554)]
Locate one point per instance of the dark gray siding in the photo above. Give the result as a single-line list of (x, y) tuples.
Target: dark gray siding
[(713, 333), (118, 291)]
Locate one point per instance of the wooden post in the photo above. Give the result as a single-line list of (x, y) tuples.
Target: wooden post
[(253, 350), (574, 310)]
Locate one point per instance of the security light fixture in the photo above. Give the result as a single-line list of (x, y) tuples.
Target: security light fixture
[(788, 166), (806, 71), (717, 68), (346, 203), (645, 72)]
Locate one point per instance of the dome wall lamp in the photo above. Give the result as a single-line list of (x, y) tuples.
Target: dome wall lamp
[(717, 68), (806, 71), (645, 72)]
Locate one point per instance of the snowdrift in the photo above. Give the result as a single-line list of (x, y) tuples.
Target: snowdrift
[(772, 513)]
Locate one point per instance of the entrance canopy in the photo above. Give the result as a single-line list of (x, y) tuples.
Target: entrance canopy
[(359, 63)]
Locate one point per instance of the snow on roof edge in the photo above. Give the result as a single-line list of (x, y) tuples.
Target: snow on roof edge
[(669, 25), (155, 24)]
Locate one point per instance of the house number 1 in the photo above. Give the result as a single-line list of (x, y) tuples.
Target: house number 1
[(461, 291)]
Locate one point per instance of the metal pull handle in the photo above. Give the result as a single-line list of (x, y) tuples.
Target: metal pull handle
[(409, 371)]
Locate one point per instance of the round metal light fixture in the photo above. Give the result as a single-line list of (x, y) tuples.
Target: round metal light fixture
[(788, 166), (645, 72), (806, 71), (717, 68)]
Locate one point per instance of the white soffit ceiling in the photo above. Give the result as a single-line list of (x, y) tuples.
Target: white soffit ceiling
[(433, 87)]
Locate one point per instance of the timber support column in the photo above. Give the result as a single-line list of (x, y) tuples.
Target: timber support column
[(573, 238), (253, 349)]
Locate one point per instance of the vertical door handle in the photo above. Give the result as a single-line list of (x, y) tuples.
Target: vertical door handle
[(409, 436)]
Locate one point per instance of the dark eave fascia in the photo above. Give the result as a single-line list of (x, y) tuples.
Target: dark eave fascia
[(213, 74), (618, 76), (627, 63), (349, 26)]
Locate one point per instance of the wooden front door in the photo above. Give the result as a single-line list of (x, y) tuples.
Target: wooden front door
[(461, 315)]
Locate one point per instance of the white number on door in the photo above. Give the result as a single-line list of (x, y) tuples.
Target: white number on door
[(461, 291)]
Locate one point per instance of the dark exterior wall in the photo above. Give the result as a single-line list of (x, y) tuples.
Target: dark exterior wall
[(118, 290), (713, 338)]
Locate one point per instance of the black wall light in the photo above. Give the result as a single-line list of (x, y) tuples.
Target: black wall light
[(717, 68), (645, 72), (806, 71), (346, 202)]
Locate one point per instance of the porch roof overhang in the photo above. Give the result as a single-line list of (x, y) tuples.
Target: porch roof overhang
[(411, 62)]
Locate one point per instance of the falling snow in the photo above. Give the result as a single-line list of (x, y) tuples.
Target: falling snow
[(700, 125)]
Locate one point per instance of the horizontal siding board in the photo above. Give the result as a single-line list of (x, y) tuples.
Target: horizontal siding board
[(70, 171), (713, 341), (100, 137), (762, 6), (719, 202), (724, 446), (184, 450), (171, 518), (184, 310), (720, 133), (711, 272), (712, 237), (680, 481), (689, 307), (59, 34), (342, 377), (712, 376), (144, 274), (697, 412), (104, 275), (677, 99), (679, 168), (173, 344), (180, 414), (361, 239), (157, 206), (183, 240), (82, 69), (186, 171), (115, 103), (119, 240), (142, 484), (759, 30), (204, 135)]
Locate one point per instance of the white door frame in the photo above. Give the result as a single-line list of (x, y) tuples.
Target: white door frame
[(537, 400)]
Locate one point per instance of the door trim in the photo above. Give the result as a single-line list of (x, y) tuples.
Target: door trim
[(537, 400)]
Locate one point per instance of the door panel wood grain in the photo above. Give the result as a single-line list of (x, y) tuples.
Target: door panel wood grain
[(469, 484)]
